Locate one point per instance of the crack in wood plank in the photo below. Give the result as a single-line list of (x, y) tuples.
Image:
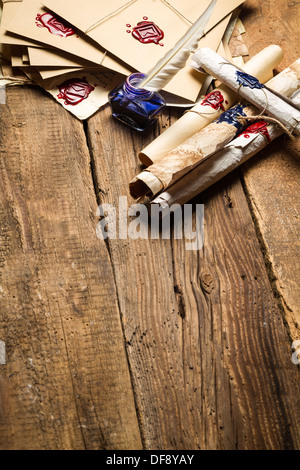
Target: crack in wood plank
[(98, 193)]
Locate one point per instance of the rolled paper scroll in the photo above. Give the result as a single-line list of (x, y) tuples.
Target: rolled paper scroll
[(255, 138), (204, 143), (249, 88), (181, 160), (222, 98)]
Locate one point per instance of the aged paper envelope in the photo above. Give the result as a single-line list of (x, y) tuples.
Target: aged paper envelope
[(16, 57), (53, 72), (78, 12), (172, 18), (174, 89), (161, 21), (42, 57), (32, 21), (80, 93), (9, 10), (186, 83)]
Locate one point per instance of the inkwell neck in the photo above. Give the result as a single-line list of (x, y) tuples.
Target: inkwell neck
[(131, 86)]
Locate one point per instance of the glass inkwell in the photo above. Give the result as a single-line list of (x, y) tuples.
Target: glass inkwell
[(136, 107)]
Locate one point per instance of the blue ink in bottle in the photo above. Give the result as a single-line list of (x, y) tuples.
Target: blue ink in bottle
[(231, 117), (136, 107)]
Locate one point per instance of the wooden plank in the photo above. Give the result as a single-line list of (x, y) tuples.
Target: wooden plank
[(209, 353), (243, 357), (66, 383), (272, 177)]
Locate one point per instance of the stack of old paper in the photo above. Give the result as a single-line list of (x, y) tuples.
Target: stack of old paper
[(79, 50)]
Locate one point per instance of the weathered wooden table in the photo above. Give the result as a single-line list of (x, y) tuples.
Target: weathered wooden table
[(131, 344)]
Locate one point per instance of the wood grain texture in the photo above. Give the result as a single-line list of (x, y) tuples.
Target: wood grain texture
[(272, 178), (66, 384), (128, 343), (209, 353)]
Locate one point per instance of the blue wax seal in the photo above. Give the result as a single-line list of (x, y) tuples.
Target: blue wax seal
[(247, 80), (230, 117)]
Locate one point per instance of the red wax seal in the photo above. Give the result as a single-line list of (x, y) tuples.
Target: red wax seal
[(55, 25), (147, 32), (259, 127), (74, 91), (215, 100)]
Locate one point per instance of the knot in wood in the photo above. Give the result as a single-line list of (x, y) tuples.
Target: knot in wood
[(207, 282)]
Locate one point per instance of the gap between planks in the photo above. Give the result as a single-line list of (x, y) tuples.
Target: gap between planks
[(98, 201)]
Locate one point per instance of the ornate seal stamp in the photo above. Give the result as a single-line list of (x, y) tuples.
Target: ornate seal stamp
[(215, 100), (147, 32), (231, 117), (55, 25), (259, 127), (246, 80), (74, 91)]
